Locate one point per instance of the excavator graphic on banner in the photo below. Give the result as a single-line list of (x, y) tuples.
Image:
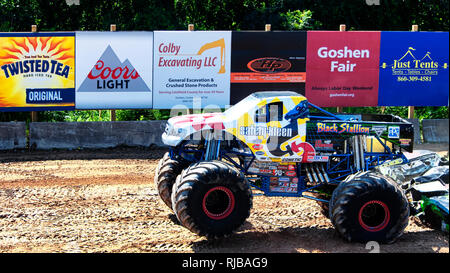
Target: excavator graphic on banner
[(219, 43)]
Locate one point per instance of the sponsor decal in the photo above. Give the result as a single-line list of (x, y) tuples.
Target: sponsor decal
[(393, 162), (277, 189), (265, 131), (277, 172), (260, 153), (274, 179), (342, 128), (291, 189), (405, 141), (294, 185), (378, 130), (321, 146), (394, 131), (283, 167), (291, 167), (295, 180), (284, 179), (257, 146), (318, 158), (287, 160), (291, 173)]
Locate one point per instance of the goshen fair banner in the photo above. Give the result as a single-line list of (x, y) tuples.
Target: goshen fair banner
[(37, 71), (191, 69), (342, 68), (114, 70)]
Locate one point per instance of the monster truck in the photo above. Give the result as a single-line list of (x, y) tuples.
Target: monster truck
[(279, 144)]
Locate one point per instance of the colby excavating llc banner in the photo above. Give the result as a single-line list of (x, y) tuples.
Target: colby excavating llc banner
[(191, 68), (37, 71), (114, 70)]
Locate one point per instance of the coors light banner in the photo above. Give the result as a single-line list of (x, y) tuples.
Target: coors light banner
[(114, 70)]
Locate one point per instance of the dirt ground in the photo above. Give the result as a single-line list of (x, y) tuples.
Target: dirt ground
[(105, 201)]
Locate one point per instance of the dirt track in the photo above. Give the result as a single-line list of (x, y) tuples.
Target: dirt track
[(105, 201)]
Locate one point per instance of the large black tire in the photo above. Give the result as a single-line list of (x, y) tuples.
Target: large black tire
[(370, 207), (338, 190), (166, 173), (211, 198)]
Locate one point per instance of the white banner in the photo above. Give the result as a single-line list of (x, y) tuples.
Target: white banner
[(114, 70), (191, 68)]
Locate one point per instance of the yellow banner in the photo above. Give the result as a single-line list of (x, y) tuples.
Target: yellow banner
[(37, 71)]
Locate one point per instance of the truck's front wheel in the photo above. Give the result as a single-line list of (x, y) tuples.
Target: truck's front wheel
[(167, 171), (211, 199)]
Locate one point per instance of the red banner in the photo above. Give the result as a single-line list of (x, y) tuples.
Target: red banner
[(342, 68)]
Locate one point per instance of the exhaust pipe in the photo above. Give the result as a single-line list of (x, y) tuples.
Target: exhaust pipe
[(325, 175)]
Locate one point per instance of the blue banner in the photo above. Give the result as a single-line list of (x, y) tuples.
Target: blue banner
[(413, 69), (50, 95)]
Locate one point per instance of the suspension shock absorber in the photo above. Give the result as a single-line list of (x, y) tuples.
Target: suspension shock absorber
[(212, 147)]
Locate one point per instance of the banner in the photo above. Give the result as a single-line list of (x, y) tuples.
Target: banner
[(37, 71), (267, 61), (414, 69), (114, 70), (342, 68), (191, 67)]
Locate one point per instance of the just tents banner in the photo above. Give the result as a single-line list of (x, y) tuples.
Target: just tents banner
[(413, 69)]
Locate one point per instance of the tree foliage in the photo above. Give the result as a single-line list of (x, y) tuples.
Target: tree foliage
[(18, 15)]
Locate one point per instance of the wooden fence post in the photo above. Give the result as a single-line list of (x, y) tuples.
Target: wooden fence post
[(34, 114), (411, 108), (342, 27), (112, 27), (192, 28)]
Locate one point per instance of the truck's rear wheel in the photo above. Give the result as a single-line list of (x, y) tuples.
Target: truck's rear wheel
[(167, 171), (211, 198), (370, 208)]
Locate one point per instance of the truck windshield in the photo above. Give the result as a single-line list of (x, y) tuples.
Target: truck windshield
[(246, 103)]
